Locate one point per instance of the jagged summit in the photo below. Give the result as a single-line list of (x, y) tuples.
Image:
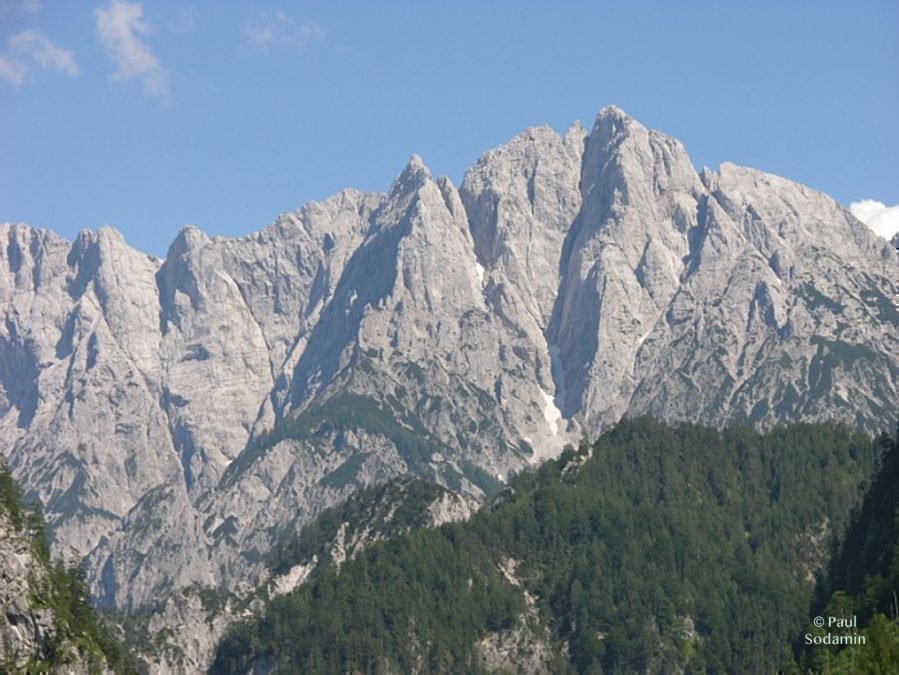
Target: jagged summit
[(416, 165), (612, 114), (413, 176), (576, 127), (175, 416), (102, 233), (613, 123), (188, 238)]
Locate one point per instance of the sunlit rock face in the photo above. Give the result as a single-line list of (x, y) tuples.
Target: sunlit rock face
[(175, 417)]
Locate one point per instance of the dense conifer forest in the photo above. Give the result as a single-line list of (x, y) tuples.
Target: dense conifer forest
[(657, 549), (862, 582)]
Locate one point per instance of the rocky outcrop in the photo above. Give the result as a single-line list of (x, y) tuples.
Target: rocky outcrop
[(337, 535), (26, 632), (174, 416), (38, 631)]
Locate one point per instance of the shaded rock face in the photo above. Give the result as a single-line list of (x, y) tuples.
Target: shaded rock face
[(25, 632), (31, 638), (175, 417)]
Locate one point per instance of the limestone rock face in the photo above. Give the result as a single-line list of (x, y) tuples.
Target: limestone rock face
[(622, 262), (25, 633), (176, 417), (31, 635)]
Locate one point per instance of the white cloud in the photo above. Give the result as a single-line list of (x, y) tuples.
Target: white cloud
[(29, 48), (36, 46), (883, 219), (12, 71), (282, 31), (15, 7), (121, 26)]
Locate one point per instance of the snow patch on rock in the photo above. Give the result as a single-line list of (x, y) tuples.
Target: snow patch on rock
[(551, 413)]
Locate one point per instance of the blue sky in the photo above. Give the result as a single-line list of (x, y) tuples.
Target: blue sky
[(148, 116)]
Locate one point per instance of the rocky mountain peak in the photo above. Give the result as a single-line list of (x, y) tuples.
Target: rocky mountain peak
[(174, 417), (104, 240), (411, 178), (613, 112), (106, 234), (576, 129), (94, 247), (189, 238), (629, 162)]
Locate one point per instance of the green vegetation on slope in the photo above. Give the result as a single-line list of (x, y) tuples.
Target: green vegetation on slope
[(63, 591), (347, 411), (668, 548), (863, 582), (344, 411), (385, 511)]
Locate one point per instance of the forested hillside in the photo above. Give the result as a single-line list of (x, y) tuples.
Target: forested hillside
[(863, 582), (657, 549)]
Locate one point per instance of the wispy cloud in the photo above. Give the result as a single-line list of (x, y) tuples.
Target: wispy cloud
[(883, 219), (18, 7), (32, 48), (12, 71), (121, 28), (280, 30)]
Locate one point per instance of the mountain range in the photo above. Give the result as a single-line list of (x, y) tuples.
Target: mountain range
[(178, 418)]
